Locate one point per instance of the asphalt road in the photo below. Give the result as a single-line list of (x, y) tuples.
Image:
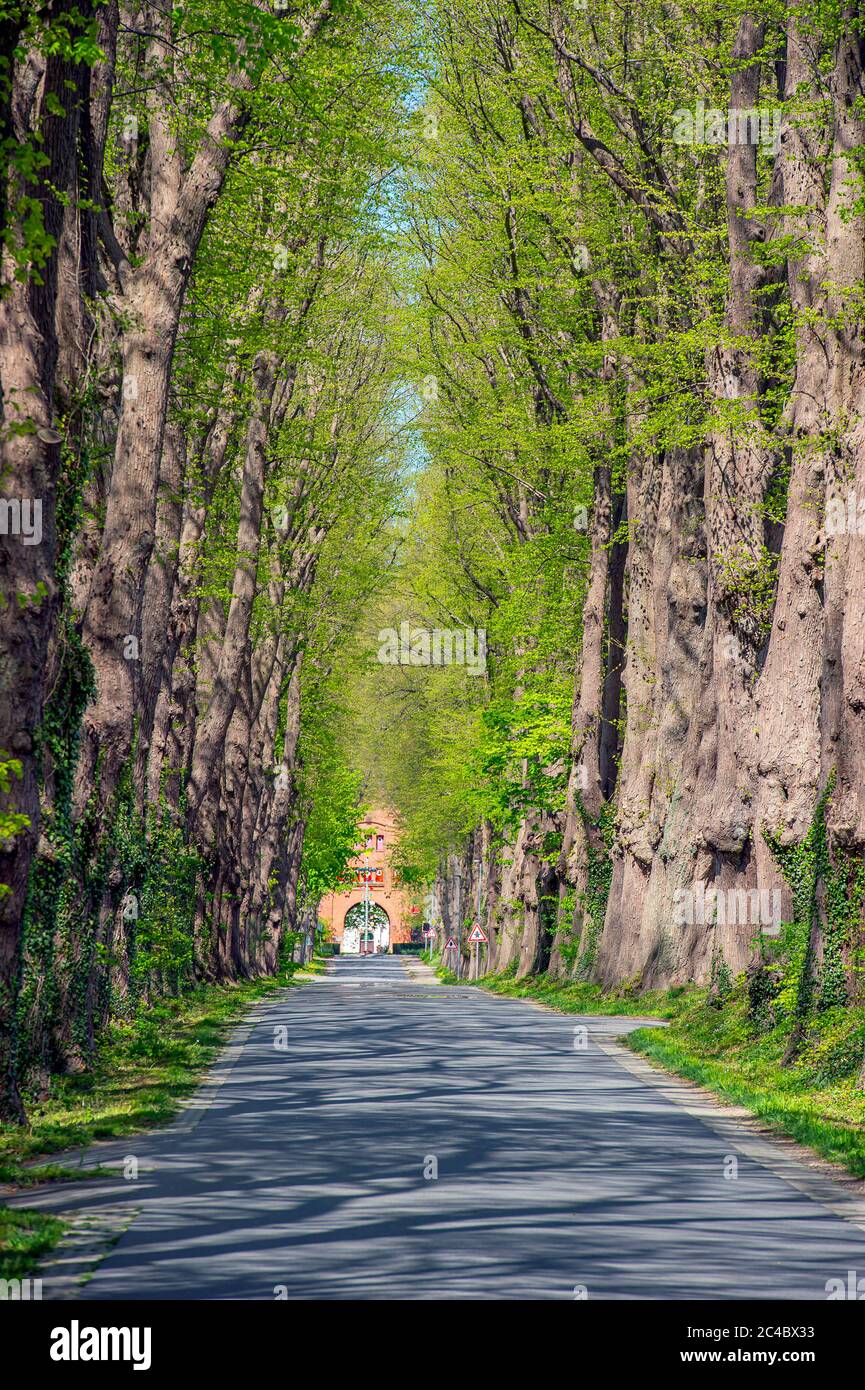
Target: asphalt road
[(400, 1139)]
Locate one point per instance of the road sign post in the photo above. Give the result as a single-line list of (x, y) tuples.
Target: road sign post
[(477, 936)]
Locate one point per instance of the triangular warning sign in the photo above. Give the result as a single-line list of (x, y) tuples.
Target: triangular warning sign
[(450, 945), (477, 934)]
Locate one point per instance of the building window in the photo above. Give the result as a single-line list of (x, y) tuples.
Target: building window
[(379, 842), (370, 841)]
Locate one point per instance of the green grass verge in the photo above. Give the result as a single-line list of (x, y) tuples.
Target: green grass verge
[(577, 997), (25, 1236), (816, 1100)]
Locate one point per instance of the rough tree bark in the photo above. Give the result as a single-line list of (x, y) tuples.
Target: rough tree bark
[(29, 352)]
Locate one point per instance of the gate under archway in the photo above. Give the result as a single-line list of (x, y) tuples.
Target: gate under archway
[(365, 936)]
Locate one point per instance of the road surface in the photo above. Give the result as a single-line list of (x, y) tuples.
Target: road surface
[(373, 1134)]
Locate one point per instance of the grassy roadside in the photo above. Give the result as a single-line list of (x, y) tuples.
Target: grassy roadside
[(143, 1070), (815, 1100), (719, 1045), (25, 1236), (576, 997)]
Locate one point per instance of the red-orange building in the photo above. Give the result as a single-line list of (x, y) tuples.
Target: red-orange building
[(373, 913)]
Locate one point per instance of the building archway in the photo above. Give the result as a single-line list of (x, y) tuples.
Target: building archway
[(356, 940)]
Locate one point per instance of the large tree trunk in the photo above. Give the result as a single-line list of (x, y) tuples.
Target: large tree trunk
[(594, 723), (275, 881), (29, 352), (158, 647), (666, 614), (210, 736)]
